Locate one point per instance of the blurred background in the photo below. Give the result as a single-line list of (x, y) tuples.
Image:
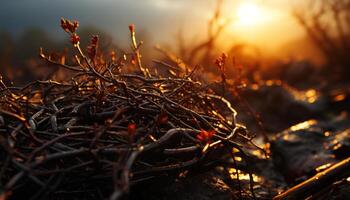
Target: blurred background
[(257, 32)]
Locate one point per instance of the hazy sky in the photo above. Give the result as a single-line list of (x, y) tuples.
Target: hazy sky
[(160, 18)]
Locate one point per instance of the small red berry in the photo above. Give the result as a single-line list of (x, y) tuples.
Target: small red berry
[(132, 128), (205, 136), (132, 28)]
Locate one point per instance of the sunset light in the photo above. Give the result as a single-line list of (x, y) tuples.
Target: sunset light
[(174, 99), (248, 14)]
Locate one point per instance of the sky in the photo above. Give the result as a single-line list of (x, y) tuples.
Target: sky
[(160, 19)]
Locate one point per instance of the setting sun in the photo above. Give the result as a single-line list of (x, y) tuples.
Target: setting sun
[(248, 14), (112, 99)]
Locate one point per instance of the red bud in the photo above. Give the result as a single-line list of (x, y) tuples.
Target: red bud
[(132, 28), (75, 39), (132, 128)]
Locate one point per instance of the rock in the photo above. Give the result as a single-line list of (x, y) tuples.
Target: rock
[(278, 105), (312, 145), (339, 190), (300, 73)]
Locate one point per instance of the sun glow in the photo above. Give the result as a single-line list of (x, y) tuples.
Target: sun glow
[(248, 14), (262, 25)]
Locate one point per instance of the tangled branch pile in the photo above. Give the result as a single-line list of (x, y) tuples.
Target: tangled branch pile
[(105, 130)]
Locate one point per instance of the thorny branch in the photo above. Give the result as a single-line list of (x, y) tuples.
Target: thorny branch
[(107, 126)]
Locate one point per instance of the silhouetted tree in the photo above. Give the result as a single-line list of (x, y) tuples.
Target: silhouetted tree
[(327, 23), (202, 53)]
